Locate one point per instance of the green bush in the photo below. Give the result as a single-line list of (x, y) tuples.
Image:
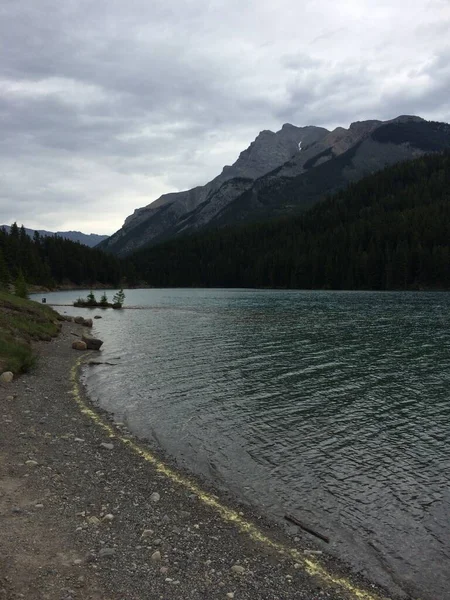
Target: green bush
[(16, 356)]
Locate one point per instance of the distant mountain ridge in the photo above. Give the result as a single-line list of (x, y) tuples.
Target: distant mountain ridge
[(87, 239), (281, 173)]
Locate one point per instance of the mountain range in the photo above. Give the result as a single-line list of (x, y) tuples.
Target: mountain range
[(279, 174), (87, 239)]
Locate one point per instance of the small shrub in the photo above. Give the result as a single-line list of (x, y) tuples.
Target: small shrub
[(118, 299), (91, 299), (104, 300)]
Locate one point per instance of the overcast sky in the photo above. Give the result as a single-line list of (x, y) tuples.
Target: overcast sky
[(107, 104)]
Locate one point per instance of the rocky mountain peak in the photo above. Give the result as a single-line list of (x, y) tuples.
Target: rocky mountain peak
[(279, 172)]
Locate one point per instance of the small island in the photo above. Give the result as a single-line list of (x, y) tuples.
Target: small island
[(92, 302)]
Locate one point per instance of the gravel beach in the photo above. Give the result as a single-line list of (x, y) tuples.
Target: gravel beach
[(89, 512)]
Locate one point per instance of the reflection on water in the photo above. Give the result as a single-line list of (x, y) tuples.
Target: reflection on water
[(331, 405)]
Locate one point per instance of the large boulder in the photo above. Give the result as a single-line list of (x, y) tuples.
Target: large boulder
[(79, 320), (79, 345), (7, 377), (92, 343), (88, 322)]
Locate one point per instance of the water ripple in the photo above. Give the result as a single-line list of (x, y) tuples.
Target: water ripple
[(331, 405)]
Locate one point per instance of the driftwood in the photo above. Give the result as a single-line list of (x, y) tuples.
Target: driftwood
[(294, 520), (97, 362), (75, 334)]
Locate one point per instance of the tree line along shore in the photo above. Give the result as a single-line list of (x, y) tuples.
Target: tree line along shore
[(389, 231)]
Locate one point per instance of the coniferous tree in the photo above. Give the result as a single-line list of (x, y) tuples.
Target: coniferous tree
[(20, 286), (4, 274)]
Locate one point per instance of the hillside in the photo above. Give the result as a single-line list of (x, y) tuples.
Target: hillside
[(279, 193), (390, 230), (279, 174), (21, 322)]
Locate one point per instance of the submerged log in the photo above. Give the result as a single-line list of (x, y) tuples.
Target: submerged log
[(297, 522)]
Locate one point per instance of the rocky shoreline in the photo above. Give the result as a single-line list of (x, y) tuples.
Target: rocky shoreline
[(88, 512)]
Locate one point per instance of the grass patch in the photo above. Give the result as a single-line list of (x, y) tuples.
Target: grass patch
[(15, 355), (22, 321)]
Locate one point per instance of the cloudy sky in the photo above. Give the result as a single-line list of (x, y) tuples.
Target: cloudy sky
[(107, 104)]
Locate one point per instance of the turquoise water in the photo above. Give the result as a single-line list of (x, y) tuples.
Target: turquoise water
[(334, 406)]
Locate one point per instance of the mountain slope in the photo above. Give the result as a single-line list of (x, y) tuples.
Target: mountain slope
[(166, 215), (279, 193), (390, 230), (87, 239), (315, 162)]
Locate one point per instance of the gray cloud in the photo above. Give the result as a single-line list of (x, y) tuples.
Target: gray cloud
[(106, 105)]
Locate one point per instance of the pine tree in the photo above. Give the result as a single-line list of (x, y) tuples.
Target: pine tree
[(4, 274), (20, 286), (118, 299)]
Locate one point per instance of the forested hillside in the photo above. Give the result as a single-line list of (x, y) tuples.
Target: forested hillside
[(390, 230), (50, 261)]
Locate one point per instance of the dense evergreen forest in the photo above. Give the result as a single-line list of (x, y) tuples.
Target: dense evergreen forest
[(390, 230), (51, 261)]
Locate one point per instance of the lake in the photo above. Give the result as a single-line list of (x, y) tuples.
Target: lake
[(334, 406)]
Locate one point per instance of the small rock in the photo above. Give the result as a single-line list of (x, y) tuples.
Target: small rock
[(89, 558), (239, 569), (78, 561), (165, 519), (157, 542), (93, 521), (17, 510), (38, 506), (230, 595), (9, 398), (107, 446), (79, 345), (312, 552), (104, 552), (92, 343), (164, 570), (155, 497), (108, 517), (147, 533), (7, 377), (156, 556), (78, 440), (98, 317), (31, 463)]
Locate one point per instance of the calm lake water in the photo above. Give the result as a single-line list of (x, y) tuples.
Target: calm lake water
[(334, 406)]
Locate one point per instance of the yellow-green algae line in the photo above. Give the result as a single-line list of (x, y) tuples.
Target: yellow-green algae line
[(312, 567)]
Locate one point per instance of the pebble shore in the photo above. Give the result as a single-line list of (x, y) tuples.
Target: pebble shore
[(83, 516)]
